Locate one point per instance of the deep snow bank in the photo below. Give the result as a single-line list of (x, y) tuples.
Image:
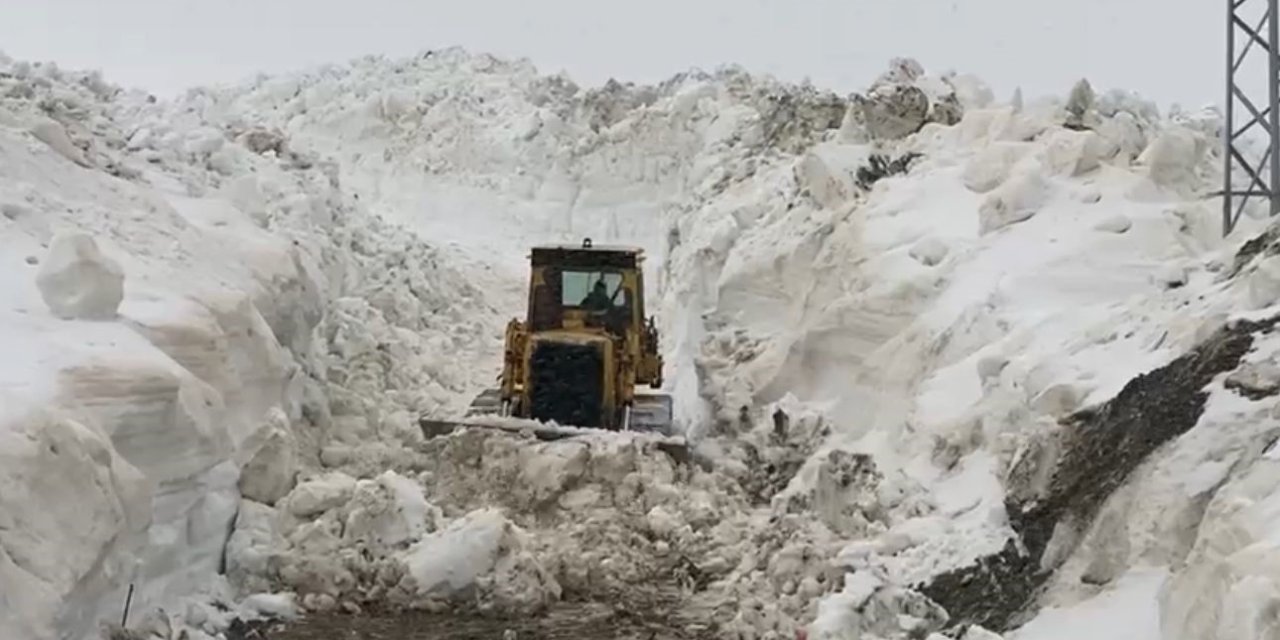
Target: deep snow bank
[(254, 308), (925, 281)]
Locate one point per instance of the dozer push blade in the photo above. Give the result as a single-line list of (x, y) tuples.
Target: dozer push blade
[(488, 403), (651, 413), (650, 419)]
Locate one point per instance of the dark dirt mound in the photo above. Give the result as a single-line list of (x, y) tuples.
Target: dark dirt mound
[(644, 620), (1103, 446)]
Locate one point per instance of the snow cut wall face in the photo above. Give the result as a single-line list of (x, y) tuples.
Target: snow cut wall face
[(162, 390), (252, 298), (494, 158)]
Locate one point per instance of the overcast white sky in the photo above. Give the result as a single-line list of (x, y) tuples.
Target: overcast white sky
[(1168, 50)]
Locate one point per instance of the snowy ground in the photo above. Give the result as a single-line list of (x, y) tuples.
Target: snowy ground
[(211, 390)]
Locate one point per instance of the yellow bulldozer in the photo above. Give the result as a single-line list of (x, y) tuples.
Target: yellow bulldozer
[(582, 355)]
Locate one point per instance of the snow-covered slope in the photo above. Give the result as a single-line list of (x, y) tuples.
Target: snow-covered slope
[(256, 298), (944, 300)]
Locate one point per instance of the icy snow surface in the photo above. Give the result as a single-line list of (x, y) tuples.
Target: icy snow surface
[(308, 262)]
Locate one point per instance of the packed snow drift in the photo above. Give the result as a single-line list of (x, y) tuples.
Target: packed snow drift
[(954, 366)]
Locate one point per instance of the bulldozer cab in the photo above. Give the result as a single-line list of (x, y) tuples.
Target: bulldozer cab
[(586, 287)]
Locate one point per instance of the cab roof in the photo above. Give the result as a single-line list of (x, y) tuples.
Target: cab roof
[(587, 245), (587, 255)]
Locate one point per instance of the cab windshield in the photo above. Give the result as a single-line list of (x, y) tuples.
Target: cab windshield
[(592, 290)]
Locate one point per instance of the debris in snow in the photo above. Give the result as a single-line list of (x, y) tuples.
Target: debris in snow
[(893, 112), (880, 167), (1080, 107), (260, 141), (1172, 276), (1117, 223), (78, 282), (902, 100)]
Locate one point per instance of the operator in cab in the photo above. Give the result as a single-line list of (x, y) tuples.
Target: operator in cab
[(598, 299)]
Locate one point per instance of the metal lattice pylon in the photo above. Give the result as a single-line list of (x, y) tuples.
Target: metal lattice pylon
[(1260, 37)]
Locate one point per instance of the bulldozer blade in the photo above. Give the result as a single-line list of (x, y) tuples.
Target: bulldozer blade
[(651, 413), (650, 420), (489, 402)]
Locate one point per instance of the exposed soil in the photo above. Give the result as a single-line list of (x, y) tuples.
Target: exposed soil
[(638, 619), (1266, 243), (1103, 446)]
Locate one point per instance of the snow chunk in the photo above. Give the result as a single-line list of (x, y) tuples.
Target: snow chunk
[(1018, 199), (1116, 223), (1072, 153), (1058, 400), (283, 606), (1173, 157), (52, 133), (929, 251), (1264, 283), (390, 511), (817, 175), (269, 473), (867, 608), (977, 632), (78, 282), (204, 141), (1122, 137), (320, 494), (481, 544), (252, 543), (991, 166)]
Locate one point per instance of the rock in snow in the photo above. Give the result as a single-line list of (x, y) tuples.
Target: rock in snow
[(294, 304)]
